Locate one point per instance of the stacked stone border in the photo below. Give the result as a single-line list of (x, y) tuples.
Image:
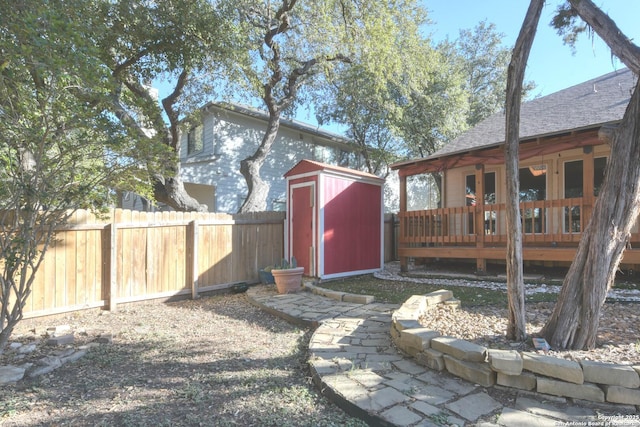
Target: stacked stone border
[(337, 295), (586, 380)]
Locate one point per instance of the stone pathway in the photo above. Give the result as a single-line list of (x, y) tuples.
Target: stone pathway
[(61, 353), (355, 365)]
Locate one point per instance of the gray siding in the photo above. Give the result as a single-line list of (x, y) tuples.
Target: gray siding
[(229, 138)]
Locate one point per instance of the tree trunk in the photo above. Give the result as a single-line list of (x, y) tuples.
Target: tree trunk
[(575, 318), (170, 191), (516, 327), (257, 188)]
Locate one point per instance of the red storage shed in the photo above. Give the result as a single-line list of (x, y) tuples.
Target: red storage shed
[(335, 220)]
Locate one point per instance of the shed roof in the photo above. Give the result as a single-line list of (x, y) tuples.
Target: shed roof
[(310, 166), (594, 103)]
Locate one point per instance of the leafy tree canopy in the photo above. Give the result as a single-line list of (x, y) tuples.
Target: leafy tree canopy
[(415, 96), (77, 119)]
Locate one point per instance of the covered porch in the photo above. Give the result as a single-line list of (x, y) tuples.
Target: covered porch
[(564, 149), (472, 224)]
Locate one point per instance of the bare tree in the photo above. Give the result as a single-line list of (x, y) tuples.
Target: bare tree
[(575, 318), (516, 328), (298, 47), (279, 90)]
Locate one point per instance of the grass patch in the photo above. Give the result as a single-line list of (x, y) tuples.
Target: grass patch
[(397, 292)]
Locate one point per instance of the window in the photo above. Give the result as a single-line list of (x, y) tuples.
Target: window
[(533, 187), (573, 177), (195, 140), (489, 189), (489, 199), (470, 191), (599, 164), (573, 188), (423, 191), (533, 183)]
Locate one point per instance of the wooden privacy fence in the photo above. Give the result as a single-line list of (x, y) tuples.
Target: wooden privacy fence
[(130, 256), (391, 233), (133, 256)]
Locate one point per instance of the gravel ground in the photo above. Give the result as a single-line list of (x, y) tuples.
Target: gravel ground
[(618, 332), (617, 342), (217, 361)]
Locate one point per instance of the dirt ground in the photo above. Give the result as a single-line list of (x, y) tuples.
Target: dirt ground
[(217, 361)]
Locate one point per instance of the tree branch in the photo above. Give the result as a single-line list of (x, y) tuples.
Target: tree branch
[(306, 68), (172, 114), (123, 115), (119, 68), (606, 28)]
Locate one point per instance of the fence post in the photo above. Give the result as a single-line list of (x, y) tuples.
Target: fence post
[(111, 265), (192, 257), (394, 237)]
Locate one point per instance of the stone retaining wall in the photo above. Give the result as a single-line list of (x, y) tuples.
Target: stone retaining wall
[(587, 380)]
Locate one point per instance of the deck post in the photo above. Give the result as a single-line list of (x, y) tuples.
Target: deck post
[(481, 263)]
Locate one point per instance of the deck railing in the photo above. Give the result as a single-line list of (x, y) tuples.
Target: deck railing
[(546, 221)]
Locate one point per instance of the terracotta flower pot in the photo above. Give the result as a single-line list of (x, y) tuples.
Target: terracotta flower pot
[(288, 280)]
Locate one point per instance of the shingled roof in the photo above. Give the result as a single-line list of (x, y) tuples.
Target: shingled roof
[(245, 110), (593, 103)]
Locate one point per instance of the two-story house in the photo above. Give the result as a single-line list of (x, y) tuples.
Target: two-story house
[(211, 151)]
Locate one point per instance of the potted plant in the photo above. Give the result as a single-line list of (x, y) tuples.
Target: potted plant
[(288, 276)]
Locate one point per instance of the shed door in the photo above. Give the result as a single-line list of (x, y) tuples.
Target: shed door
[(302, 226)]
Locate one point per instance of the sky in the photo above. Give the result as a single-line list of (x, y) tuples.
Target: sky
[(551, 65)]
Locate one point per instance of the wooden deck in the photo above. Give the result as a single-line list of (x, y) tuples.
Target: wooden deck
[(551, 232)]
